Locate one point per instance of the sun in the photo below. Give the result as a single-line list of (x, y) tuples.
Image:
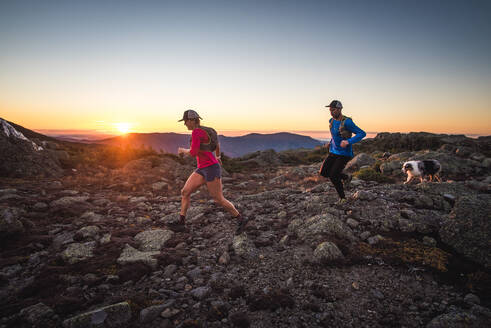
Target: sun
[(123, 127)]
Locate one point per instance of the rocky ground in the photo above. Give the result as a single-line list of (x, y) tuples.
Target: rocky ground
[(95, 248)]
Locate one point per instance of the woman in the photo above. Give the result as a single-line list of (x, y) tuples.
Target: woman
[(204, 142)]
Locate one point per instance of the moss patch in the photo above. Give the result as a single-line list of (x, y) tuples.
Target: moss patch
[(370, 174), (409, 251)]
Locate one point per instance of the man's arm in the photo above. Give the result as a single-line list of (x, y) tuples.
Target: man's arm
[(359, 133)]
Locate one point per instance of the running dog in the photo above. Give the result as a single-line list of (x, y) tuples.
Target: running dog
[(420, 169)]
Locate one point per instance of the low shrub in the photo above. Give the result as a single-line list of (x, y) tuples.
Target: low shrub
[(369, 174)]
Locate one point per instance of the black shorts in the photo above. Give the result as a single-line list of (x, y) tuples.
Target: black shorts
[(333, 165), (211, 172)]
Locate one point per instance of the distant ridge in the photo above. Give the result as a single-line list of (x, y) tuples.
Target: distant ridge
[(231, 146)]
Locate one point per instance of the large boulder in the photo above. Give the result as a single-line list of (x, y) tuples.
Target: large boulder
[(327, 252), (10, 225), (153, 240), (476, 317), (468, 228), (359, 161), (39, 315), (131, 255), (244, 247), (77, 252), (320, 225), (115, 315)]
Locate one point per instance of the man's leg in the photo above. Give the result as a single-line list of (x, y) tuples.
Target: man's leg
[(335, 174)]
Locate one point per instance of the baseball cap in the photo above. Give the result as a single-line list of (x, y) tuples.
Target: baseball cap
[(335, 104), (189, 115)]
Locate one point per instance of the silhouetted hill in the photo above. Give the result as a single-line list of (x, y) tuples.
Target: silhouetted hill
[(231, 146)]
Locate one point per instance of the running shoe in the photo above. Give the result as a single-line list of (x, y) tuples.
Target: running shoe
[(241, 225)]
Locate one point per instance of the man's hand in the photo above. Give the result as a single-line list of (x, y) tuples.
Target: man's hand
[(344, 143)]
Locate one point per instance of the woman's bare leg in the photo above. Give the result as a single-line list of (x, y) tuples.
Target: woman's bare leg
[(194, 181), (215, 189)]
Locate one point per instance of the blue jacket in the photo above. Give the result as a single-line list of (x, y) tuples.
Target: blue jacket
[(335, 144)]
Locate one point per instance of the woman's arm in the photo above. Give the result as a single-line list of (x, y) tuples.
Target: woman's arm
[(217, 153), (195, 141)]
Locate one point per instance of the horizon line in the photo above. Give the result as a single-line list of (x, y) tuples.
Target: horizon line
[(227, 132)]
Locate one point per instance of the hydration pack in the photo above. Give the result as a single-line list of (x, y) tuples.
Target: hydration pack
[(345, 133), (212, 143)]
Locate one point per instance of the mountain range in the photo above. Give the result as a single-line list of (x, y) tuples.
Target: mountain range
[(231, 146)]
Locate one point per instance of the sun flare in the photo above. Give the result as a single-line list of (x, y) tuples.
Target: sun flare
[(123, 128)]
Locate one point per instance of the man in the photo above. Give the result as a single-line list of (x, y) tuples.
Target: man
[(340, 149)]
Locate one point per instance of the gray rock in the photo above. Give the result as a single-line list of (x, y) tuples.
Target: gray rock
[(106, 238), (169, 270), (91, 217), (69, 201), (352, 223), (244, 247), (138, 199), (88, 232), (62, 239), (194, 273), (320, 225), (407, 225), (169, 313), (111, 316), (409, 214), (388, 168), (200, 293), (468, 228), (153, 240), (40, 206), (10, 224), (458, 318), (375, 239), (423, 202), (359, 161), (132, 255), (364, 235), (428, 241), (472, 299), (327, 252), (160, 186), (39, 315), (364, 195), (151, 313), (77, 252), (224, 258)]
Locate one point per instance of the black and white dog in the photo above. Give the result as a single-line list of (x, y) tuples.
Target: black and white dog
[(420, 169)]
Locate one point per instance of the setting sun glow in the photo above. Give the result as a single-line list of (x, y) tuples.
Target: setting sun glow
[(122, 128)]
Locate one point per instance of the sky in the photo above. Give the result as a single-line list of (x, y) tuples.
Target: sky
[(113, 66)]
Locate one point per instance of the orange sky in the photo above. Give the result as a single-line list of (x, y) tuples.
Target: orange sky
[(90, 67)]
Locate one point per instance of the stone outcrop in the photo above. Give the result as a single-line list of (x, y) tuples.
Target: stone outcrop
[(468, 228)]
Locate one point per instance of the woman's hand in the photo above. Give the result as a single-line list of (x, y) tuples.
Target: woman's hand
[(181, 150), (344, 143)]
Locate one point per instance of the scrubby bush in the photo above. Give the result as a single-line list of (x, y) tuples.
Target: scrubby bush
[(369, 174), (103, 155)]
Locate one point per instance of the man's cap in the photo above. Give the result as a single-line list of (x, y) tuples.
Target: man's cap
[(335, 104), (189, 115)]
